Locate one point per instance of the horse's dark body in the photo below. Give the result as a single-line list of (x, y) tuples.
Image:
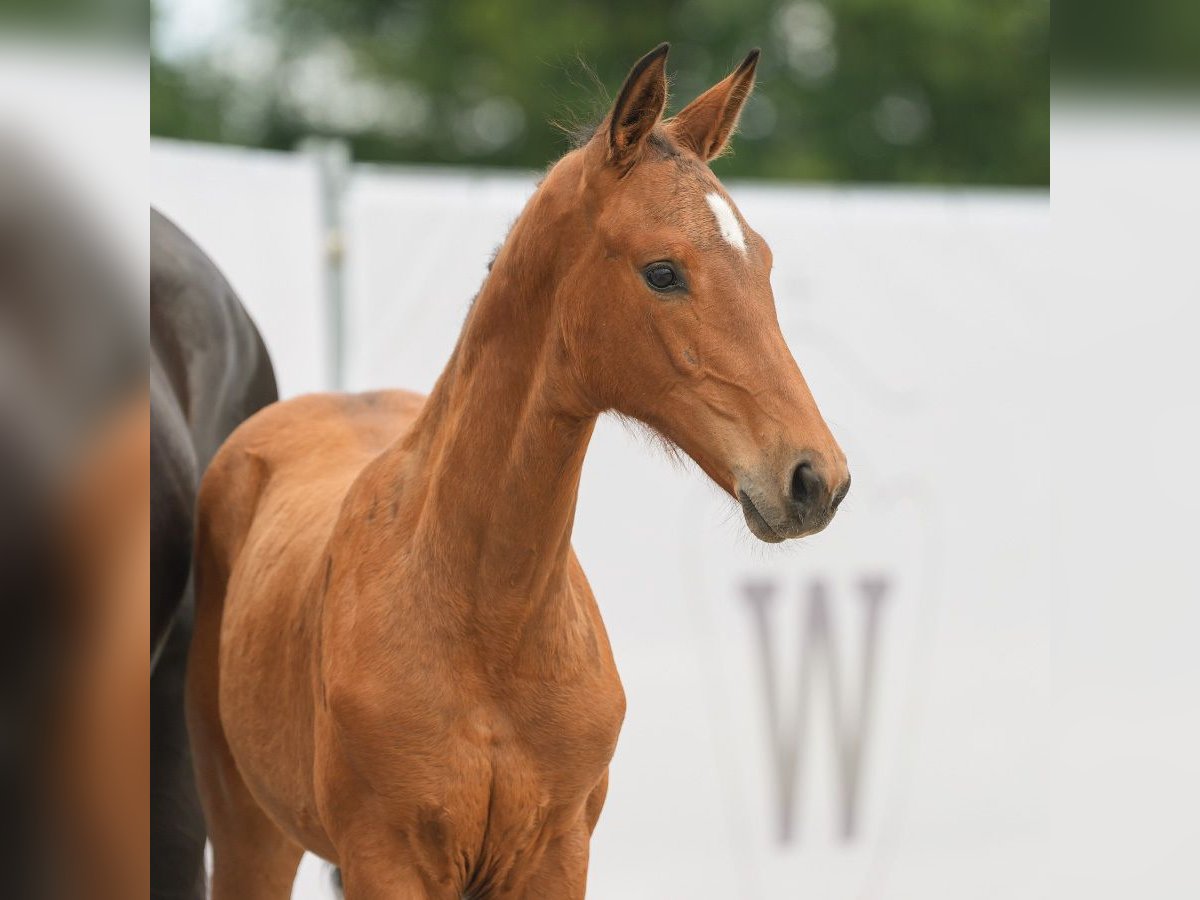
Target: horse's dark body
[(209, 371)]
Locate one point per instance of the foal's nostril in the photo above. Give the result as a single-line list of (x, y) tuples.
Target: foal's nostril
[(806, 484), (841, 494)]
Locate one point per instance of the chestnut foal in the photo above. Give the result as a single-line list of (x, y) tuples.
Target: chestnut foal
[(398, 663)]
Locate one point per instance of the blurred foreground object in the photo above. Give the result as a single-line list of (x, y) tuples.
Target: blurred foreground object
[(110, 22), (73, 512), (1110, 43), (74, 446), (102, 798)]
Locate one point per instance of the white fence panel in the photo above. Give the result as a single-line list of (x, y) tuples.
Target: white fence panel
[(258, 216)]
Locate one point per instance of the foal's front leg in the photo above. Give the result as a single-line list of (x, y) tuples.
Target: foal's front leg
[(371, 877), (380, 861), (560, 873), (383, 868)]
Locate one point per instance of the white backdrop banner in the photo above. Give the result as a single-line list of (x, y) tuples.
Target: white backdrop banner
[(857, 716)]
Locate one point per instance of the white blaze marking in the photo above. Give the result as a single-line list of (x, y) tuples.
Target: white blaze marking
[(727, 220)]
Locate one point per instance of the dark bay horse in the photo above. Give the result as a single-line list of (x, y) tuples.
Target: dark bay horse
[(209, 371), (398, 663)]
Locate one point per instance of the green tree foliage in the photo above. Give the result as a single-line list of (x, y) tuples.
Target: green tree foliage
[(934, 91)]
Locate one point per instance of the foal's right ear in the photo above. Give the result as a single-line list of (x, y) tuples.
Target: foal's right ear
[(706, 124), (638, 108)]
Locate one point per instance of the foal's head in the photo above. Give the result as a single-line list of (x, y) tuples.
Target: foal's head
[(666, 307)]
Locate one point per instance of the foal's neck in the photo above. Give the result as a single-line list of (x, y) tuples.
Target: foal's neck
[(496, 454)]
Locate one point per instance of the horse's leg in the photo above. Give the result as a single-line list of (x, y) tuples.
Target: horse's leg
[(560, 874), (252, 858), (379, 875), (176, 820)]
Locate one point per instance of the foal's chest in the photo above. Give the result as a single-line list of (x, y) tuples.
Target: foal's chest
[(538, 748), (477, 747), (501, 793)]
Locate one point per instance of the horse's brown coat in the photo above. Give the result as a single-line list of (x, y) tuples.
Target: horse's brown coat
[(398, 663)]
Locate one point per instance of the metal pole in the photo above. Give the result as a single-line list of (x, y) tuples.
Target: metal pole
[(332, 159)]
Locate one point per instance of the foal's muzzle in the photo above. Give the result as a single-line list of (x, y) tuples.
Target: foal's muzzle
[(800, 503)]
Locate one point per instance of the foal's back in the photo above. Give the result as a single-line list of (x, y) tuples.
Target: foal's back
[(303, 452)]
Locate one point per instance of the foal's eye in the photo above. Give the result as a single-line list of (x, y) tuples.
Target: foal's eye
[(662, 277)]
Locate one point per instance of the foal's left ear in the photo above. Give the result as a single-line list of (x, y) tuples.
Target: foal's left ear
[(706, 124), (639, 106)]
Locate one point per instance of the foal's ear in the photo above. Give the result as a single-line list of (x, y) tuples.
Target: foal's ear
[(639, 106), (706, 124)]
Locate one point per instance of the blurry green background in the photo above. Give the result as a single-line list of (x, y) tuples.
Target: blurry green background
[(916, 91)]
